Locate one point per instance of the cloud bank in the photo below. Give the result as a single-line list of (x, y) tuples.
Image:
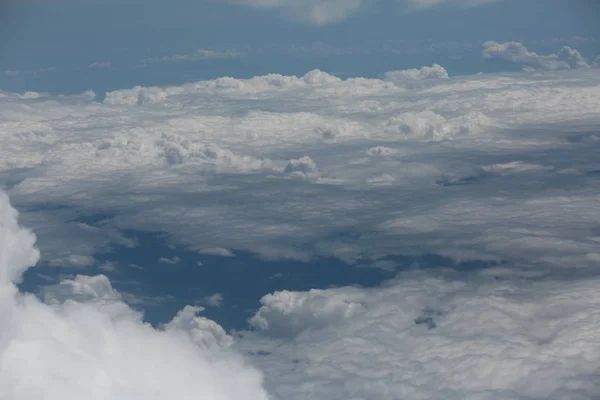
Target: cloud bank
[(265, 165), (85, 342), (481, 191)]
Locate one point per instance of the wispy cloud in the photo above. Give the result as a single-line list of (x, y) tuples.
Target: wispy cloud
[(29, 72), (100, 65), (198, 55), (333, 11)]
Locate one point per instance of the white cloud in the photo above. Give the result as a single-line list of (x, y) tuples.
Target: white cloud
[(430, 335), (172, 261), (214, 300), (209, 164), (500, 168), (434, 72), (216, 251), (86, 343), (100, 65), (566, 58)]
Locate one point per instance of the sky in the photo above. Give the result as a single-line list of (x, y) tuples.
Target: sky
[(68, 46), (299, 199)]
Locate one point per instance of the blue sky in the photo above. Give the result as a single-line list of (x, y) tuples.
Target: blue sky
[(55, 42)]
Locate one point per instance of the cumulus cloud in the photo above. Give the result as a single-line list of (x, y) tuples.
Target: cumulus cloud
[(265, 165), (430, 335), (434, 72), (214, 300), (495, 171), (85, 342), (566, 58)]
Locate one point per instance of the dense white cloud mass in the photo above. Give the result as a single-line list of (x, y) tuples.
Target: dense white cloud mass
[(266, 164), (432, 336), (500, 168), (86, 343), (566, 58)]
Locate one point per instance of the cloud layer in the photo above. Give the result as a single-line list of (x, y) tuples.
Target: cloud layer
[(492, 178)]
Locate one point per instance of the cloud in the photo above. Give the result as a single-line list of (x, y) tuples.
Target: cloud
[(434, 72), (216, 251), (311, 11), (84, 342), (333, 11), (100, 65), (172, 261), (494, 174), (566, 58), (265, 166), (214, 300), (428, 335), (198, 55), (426, 4)]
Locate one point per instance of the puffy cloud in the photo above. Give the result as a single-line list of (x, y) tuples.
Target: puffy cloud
[(495, 171), (426, 335), (303, 167), (434, 72), (86, 343), (214, 300), (566, 58), (210, 164)]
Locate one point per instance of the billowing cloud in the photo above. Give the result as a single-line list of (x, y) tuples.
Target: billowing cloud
[(494, 173), (85, 342), (434, 72), (432, 335), (265, 165), (565, 58)]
